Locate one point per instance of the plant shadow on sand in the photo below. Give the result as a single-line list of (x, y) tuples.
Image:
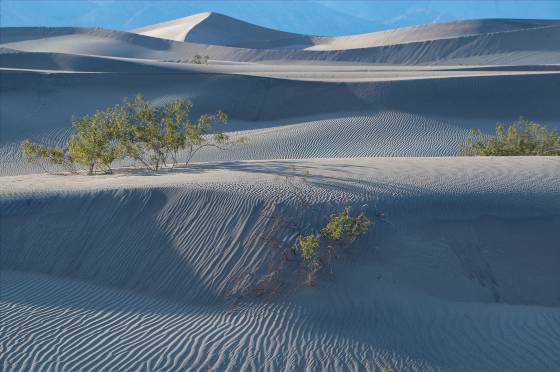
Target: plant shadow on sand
[(342, 177), (143, 240)]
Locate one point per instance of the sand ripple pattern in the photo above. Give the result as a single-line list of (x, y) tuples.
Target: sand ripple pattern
[(67, 320), (138, 271), (137, 275)]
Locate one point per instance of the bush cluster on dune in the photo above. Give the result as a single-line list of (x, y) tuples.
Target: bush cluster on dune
[(149, 134), (320, 248), (200, 59), (521, 138)]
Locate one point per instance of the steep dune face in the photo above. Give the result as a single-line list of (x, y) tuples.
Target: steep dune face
[(217, 29), (191, 254), (176, 29)]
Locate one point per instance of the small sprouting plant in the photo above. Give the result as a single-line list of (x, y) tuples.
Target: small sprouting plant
[(308, 245), (200, 60), (340, 231), (343, 226), (522, 138)]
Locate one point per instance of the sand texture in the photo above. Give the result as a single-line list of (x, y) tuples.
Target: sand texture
[(156, 272)]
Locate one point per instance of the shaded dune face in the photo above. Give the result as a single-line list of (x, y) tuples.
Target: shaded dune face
[(288, 118), (142, 271)]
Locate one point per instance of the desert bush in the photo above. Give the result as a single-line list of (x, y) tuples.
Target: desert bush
[(203, 134), (137, 129), (36, 152), (300, 250), (95, 143), (339, 232), (159, 133), (200, 60), (155, 132), (97, 139), (522, 137), (342, 226)]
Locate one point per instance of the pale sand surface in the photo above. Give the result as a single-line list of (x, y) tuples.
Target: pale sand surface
[(460, 264), (135, 270)]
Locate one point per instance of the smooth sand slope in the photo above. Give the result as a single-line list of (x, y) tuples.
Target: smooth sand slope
[(137, 271)]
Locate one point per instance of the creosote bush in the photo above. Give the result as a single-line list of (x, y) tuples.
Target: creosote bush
[(298, 245), (521, 138), (96, 142), (343, 226), (35, 152), (321, 248), (140, 130), (200, 60), (308, 246)]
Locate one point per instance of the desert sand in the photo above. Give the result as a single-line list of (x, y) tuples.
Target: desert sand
[(142, 271)]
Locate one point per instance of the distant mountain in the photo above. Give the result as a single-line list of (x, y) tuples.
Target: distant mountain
[(297, 16), (316, 17)]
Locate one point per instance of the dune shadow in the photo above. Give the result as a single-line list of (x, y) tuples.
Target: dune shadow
[(117, 239)]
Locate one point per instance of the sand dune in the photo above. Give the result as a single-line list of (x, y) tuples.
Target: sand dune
[(438, 31), (463, 239), (427, 117), (217, 29), (137, 271), (477, 43), (148, 334)]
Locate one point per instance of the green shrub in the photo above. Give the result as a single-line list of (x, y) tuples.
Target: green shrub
[(96, 141), (308, 246), (343, 226), (138, 130), (340, 231), (160, 133), (55, 155), (202, 134), (200, 60), (522, 137), (155, 132)]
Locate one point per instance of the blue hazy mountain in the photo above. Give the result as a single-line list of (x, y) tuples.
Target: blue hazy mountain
[(307, 17)]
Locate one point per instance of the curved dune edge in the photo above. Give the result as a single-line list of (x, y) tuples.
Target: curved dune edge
[(218, 29), (525, 46), (445, 270)]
